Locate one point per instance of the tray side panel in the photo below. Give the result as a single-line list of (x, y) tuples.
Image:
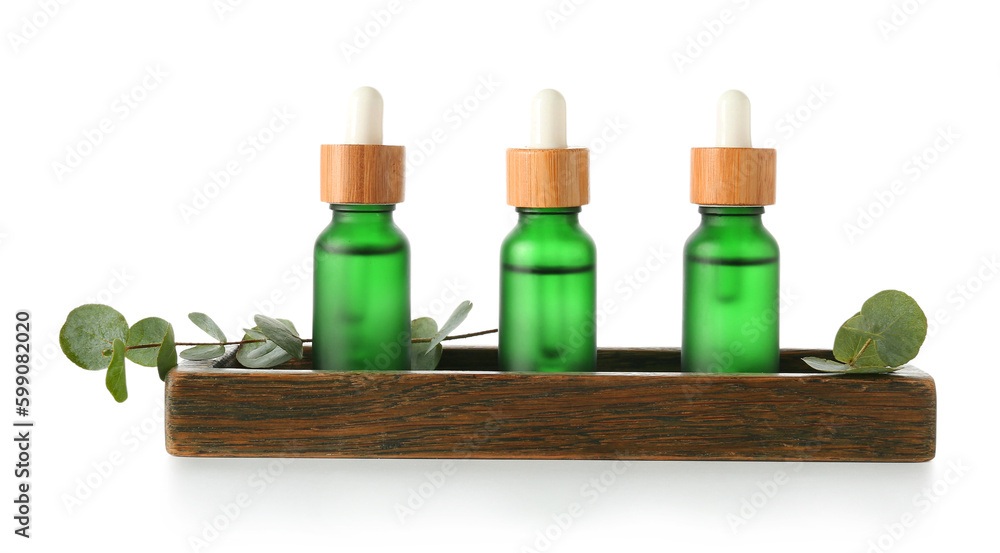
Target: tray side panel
[(267, 413)]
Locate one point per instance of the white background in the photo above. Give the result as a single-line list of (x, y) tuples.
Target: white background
[(848, 101)]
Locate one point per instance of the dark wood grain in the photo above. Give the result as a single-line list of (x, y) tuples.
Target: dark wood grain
[(637, 407)]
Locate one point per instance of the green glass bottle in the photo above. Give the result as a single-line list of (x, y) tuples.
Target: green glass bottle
[(730, 293), (548, 293), (361, 271), (547, 263), (731, 261), (361, 315)]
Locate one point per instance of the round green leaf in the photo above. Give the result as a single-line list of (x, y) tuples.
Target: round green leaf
[(147, 331), (893, 323), (89, 331), (423, 328), (849, 345)]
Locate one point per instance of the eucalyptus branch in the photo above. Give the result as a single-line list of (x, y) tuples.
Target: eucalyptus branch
[(304, 340), (97, 337)]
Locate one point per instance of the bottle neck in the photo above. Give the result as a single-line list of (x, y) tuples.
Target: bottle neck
[(731, 216), (537, 216), (374, 214)]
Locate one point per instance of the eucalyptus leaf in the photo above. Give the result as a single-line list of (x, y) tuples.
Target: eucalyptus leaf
[(426, 359), (206, 323), (253, 334), (277, 332), (872, 370), (147, 331), (287, 323), (849, 346), (423, 328), (203, 352), (166, 359), (87, 333), (825, 365), (893, 322), (261, 355), (456, 318), (115, 378)]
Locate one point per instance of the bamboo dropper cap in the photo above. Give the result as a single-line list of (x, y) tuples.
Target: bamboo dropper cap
[(362, 171), (733, 173), (547, 173)]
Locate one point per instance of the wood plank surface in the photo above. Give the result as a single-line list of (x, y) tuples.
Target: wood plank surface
[(636, 407)]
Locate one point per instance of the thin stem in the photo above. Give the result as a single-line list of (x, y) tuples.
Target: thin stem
[(200, 344), (304, 340), (860, 351), (457, 336)]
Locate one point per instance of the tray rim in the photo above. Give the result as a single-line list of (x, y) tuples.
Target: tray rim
[(219, 366)]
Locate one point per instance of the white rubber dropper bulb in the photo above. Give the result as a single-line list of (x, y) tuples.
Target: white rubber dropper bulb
[(364, 117), (548, 120), (732, 120)]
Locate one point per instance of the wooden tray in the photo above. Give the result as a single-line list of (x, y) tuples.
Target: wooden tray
[(635, 408)]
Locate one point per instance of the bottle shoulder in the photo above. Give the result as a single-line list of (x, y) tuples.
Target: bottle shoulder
[(568, 245), (732, 243), (338, 237)]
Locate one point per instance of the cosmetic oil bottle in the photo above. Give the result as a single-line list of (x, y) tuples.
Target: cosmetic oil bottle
[(361, 305), (547, 274), (731, 261)]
